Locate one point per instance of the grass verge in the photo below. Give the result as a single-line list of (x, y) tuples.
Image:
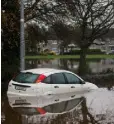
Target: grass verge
[(70, 57)]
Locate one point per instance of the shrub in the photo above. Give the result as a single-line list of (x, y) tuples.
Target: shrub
[(48, 52), (94, 51), (52, 53), (90, 51)]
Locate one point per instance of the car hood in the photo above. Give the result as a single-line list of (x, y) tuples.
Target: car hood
[(91, 86)]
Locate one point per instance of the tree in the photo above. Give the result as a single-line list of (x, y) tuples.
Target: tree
[(43, 11), (10, 27), (10, 33), (34, 35), (10, 38), (64, 33), (93, 18)]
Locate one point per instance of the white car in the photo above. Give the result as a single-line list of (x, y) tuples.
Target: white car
[(47, 81)]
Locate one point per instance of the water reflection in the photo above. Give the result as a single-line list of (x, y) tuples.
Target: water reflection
[(93, 66), (42, 101), (89, 108)]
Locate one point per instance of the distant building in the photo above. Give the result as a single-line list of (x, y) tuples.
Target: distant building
[(106, 46), (53, 46)]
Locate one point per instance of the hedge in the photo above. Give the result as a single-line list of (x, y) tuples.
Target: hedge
[(90, 51)]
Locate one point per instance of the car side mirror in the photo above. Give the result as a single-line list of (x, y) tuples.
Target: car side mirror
[(82, 82)]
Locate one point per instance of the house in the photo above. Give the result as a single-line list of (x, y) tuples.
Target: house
[(106, 46), (53, 46)]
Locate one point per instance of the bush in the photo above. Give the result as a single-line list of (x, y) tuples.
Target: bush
[(94, 51), (90, 51), (48, 52), (52, 53)]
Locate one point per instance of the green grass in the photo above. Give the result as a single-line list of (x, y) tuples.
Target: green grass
[(69, 57)]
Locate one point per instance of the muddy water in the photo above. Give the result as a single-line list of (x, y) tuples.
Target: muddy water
[(95, 107)]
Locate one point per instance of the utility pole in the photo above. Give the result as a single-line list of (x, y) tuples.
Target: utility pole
[(22, 42)]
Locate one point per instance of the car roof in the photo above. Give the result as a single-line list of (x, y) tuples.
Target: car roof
[(40, 70), (45, 70)]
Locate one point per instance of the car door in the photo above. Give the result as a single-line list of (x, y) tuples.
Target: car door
[(59, 84), (75, 83), (47, 86)]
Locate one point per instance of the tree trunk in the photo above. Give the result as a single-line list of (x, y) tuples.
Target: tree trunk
[(62, 50), (82, 62)]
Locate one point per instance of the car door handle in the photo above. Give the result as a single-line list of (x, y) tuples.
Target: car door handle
[(72, 96), (56, 100), (56, 86), (72, 87)]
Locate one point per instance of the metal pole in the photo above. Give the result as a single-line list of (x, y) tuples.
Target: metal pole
[(22, 42)]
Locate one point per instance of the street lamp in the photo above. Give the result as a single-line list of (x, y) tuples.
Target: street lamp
[(22, 42)]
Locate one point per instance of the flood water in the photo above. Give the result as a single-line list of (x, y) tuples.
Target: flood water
[(95, 107), (94, 66)]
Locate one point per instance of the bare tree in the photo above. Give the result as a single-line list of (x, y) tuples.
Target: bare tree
[(34, 36), (64, 33), (93, 18), (44, 13), (43, 10), (90, 19)]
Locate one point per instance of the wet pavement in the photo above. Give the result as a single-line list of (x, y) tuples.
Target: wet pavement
[(95, 107)]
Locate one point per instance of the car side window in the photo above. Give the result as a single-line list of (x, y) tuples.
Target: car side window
[(47, 80), (72, 79), (58, 78)]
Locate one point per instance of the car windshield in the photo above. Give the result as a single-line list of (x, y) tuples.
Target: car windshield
[(26, 77)]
